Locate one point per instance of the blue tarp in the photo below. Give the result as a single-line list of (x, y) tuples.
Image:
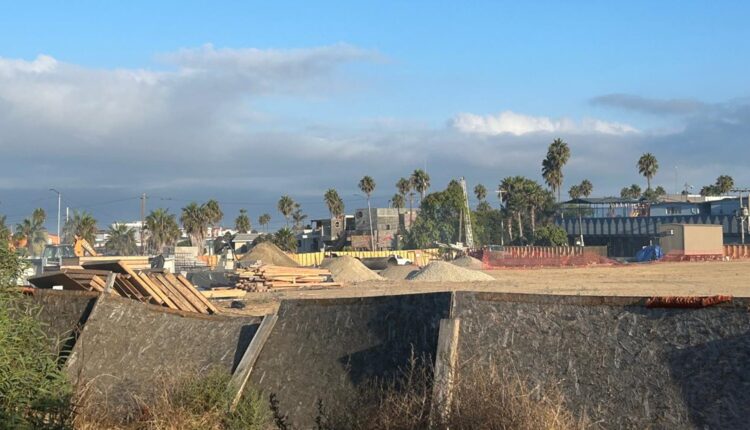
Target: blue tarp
[(649, 253)]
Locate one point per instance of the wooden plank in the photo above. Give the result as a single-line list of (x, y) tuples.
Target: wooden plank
[(175, 294), (126, 289), (445, 367), (249, 358), (97, 283), (187, 293), (232, 293), (110, 282), (144, 282), (195, 292)]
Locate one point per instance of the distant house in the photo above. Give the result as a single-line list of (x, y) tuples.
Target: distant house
[(387, 224)]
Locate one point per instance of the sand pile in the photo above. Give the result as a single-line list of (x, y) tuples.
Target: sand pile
[(399, 273), (349, 269), (446, 272), (268, 253), (468, 262)]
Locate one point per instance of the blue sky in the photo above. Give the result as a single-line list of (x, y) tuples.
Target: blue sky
[(299, 96)]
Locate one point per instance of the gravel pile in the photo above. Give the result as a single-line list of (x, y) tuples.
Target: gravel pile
[(468, 262), (399, 273), (349, 269), (442, 271), (268, 253)]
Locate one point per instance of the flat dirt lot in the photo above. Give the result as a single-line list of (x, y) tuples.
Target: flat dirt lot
[(655, 279)]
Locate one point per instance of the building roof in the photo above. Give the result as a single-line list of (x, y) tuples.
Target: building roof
[(602, 201)]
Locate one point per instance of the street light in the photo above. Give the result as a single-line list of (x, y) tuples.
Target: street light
[(59, 200)]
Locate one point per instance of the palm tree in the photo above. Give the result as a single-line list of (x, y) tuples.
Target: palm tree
[(285, 239), (480, 191), (397, 201), (195, 221), (724, 184), (536, 197), (4, 231), (513, 197), (367, 186), (263, 220), (421, 182), (586, 188), (631, 192), (558, 154), (81, 224), (162, 229), (647, 166), (334, 203), (405, 187), (121, 240), (286, 207), (298, 216), (213, 213), (33, 232), (575, 192), (242, 223)]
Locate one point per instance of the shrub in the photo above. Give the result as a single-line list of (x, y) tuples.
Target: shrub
[(551, 235)]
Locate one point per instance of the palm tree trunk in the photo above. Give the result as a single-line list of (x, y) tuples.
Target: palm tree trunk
[(510, 230), (520, 225), (411, 210), (369, 214), (648, 182), (533, 222)]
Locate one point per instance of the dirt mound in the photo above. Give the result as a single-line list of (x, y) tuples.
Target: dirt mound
[(268, 253), (349, 269), (447, 272), (468, 262), (399, 273)]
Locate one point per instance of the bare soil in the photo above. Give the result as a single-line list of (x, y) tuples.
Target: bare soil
[(651, 279)]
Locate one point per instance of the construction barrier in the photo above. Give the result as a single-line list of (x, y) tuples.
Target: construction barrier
[(420, 257), (737, 251), (544, 256)]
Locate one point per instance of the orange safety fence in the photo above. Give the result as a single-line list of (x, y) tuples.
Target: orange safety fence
[(544, 256), (737, 251)]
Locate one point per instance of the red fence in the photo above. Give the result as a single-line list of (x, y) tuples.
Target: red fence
[(544, 256)]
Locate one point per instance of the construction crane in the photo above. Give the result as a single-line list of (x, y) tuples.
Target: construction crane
[(466, 214)]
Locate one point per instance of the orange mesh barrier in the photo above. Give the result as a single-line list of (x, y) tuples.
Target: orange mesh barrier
[(686, 302), (544, 256)]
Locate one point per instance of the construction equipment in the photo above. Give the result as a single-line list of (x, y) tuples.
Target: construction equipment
[(466, 212)]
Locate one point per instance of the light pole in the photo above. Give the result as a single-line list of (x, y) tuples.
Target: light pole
[(59, 201)]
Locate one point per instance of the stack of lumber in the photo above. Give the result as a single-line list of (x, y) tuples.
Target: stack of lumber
[(157, 287), (267, 277), (134, 262)]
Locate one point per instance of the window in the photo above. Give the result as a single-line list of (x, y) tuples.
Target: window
[(673, 210)]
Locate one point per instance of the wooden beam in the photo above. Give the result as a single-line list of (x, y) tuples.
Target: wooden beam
[(249, 358), (445, 367)]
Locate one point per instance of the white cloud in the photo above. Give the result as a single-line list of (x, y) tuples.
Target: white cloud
[(509, 122)]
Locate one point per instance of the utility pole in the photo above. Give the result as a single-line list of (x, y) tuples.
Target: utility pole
[(143, 222), (59, 202)]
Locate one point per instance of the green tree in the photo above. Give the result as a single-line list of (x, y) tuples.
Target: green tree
[(558, 154), (397, 201), (631, 192), (121, 240), (438, 219), (367, 186), (285, 239), (575, 192), (195, 221), (4, 231), (81, 224), (420, 181), (213, 212), (334, 203), (586, 188), (298, 217), (242, 222), (263, 220), (286, 207), (162, 229), (647, 167), (551, 235), (724, 184), (480, 192), (33, 232)]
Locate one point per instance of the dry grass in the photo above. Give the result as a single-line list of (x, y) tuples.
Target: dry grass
[(188, 402), (482, 399)]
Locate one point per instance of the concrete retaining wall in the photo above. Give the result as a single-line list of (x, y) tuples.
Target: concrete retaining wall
[(327, 349)]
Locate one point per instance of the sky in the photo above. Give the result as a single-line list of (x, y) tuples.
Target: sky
[(246, 101)]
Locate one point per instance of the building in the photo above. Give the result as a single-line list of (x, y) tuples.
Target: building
[(387, 225), (326, 234), (625, 226)]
